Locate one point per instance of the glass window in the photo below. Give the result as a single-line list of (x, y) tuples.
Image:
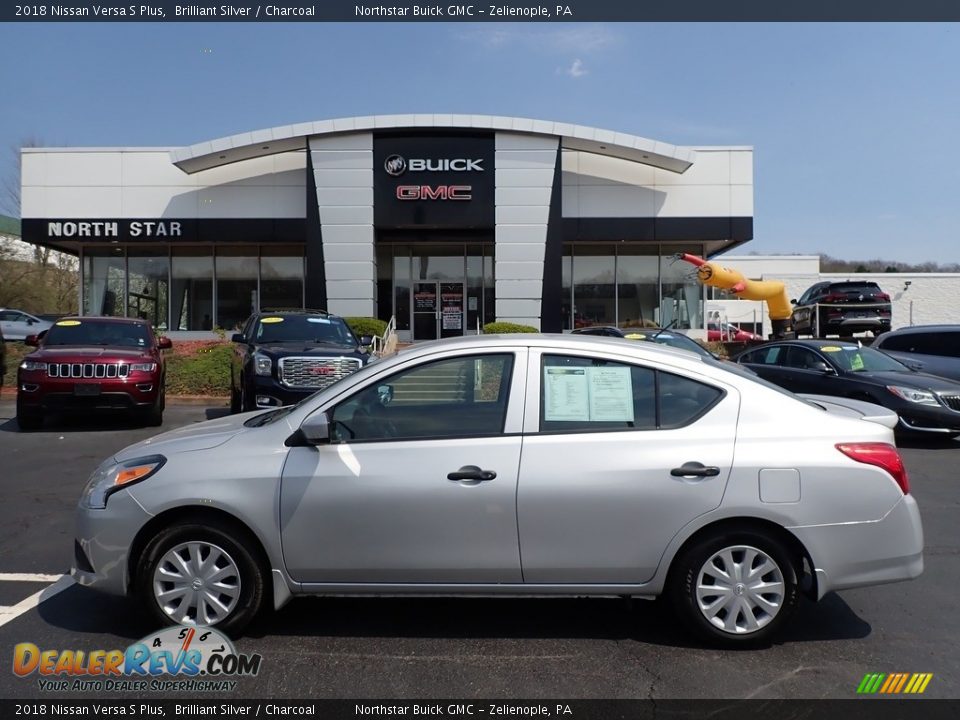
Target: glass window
[(281, 277), (191, 288), (148, 285), (801, 358), (401, 284), (103, 332), (460, 397), (566, 284), (637, 296), (681, 293), (104, 276), (236, 286), (587, 394), (862, 359), (594, 299), (765, 356)]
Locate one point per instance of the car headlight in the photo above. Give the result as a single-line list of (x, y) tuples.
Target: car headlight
[(112, 476), (262, 364), (143, 367), (923, 397), (33, 365)]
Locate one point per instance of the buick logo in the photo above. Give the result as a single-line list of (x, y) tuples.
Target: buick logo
[(395, 165)]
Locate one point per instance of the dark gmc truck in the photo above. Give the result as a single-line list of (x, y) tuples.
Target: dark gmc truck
[(284, 356)]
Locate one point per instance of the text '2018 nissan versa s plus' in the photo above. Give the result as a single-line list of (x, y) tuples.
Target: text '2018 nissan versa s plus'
[(510, 465)]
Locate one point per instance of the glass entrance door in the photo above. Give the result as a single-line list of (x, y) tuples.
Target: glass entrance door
[(426, 310)]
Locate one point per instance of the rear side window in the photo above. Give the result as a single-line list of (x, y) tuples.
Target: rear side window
[(580, 394), (943, 343)]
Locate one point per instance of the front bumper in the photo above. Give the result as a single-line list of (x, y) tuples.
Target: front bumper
[(103, 542), (267, 392), (849, 555), (926, 418), (35, 390)]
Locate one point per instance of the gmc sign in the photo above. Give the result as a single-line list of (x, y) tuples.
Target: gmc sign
[(440, 192)]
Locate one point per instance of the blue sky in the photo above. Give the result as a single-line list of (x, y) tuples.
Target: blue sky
[(853, 125)]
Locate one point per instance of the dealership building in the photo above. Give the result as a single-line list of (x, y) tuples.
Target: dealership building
[(444, 222)]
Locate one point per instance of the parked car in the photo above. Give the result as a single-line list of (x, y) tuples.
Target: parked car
[(728, 332), (17, 325), (925, 403), (281, 357), (842, 308), (934, 349), (93, 363), (661, 336), (541, 465)]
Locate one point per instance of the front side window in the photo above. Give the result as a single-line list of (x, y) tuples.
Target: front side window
[(579, 394), (458, 397), (772, 355)]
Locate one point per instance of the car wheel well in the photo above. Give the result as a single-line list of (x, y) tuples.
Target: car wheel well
[(204, 516), (804, 563)]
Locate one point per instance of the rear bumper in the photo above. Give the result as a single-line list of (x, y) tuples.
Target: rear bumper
[(849, 555)]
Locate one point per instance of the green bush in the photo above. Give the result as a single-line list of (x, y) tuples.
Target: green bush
[(495, 328), (16, 351), (204, 372), (366, 326)]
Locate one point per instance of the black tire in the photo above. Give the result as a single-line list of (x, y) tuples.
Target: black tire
[(685, 574), (234, 399), (28, 419), (154, 416), (252, 575)]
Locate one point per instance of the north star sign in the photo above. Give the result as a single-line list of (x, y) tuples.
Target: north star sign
[(96, 229)]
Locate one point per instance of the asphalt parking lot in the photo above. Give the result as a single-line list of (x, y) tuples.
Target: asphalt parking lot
[(474, 648)]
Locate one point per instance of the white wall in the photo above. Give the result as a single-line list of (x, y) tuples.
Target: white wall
[(718, 184), (143, 183)]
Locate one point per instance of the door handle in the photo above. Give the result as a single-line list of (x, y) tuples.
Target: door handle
[(695, 469), (471, 472)]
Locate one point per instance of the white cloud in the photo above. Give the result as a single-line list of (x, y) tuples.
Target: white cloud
[(576, 69), (586, 39)]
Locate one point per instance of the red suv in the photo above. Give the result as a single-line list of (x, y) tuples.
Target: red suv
[(92, 363)]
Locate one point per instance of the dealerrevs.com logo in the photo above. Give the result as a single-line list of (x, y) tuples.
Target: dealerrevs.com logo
[(200, 659)]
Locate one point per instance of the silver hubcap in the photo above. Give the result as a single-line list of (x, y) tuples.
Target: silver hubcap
[(740, 589), (197, 583)]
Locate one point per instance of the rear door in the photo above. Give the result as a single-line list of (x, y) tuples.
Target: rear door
[(597, 500)]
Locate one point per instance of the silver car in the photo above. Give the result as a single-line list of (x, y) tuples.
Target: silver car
[(18, 325), (510, 465)]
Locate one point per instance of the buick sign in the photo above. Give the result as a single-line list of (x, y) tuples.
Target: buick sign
[(395, 165)]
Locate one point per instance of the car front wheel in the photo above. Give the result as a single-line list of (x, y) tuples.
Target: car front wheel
[(735, 589), (193, 574), (28, 419)]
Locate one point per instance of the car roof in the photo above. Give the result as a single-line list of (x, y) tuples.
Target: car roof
[(292, 311), (921, 329)]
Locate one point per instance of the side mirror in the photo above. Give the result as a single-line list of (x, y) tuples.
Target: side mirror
[(31, 340), (31, 321), (164, 343), (824, 368), (914, 365), (366, 340), (316, 429), (238, 338), (793, 302)]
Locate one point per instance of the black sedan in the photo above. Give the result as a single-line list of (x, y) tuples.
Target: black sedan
[(925, 403)]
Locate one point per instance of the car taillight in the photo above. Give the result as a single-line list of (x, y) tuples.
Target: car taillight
[(881, 455), (834, 297), (882, 296)]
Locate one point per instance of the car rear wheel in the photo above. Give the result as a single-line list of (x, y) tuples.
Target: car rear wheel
[(194, 574), (28, 419), (736, 589)]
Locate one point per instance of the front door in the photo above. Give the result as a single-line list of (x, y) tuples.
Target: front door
[(451, 309), (426, 310)]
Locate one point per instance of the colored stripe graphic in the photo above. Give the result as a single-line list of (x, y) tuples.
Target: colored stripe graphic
[(894, 683)]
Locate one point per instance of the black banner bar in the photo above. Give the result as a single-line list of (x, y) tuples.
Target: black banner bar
[(551, 11), (473, 709)]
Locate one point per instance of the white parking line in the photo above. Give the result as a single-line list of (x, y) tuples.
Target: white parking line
[(28, 577), (12, 613)]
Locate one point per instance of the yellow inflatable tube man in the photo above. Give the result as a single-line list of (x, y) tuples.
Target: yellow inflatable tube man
[(772, 291)]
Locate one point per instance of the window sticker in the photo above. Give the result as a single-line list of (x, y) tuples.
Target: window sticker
[(565, 393), (831, 348), (68, 323), (856, 362), (319, 320), (635, 336), (592, 394), (271, 320)]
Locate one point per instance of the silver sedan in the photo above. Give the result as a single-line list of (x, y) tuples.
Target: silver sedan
[(510, 465)]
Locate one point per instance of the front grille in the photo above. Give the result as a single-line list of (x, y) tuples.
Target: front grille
[(307, 373), (951, 401), (88, 370)]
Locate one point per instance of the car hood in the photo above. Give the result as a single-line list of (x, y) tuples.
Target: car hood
[(921, 381), (300, 349), (847, 407), (200, 436), (60, 353)]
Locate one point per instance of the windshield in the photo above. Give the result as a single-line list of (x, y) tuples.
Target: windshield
[(861, 359), (666, 338), (97, 332), (303, 328)]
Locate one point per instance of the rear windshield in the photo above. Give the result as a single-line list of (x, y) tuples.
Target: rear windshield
[(856, 285), (94, 332), (303, 328)]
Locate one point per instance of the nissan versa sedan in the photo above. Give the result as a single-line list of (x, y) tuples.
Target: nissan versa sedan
[(510, 465), (926, 404)]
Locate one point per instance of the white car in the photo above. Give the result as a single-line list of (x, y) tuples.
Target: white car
[(511, 465), (17, 324)]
